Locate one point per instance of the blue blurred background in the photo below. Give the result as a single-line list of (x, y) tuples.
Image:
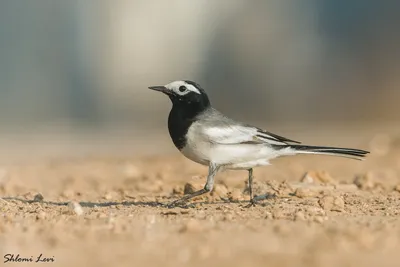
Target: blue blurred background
[(75, 69)]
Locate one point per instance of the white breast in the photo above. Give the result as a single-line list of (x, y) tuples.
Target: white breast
[(198, 151)]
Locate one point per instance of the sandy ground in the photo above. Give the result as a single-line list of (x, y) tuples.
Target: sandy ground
[(106, 211)]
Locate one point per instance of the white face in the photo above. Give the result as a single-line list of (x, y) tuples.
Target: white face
[(182, 88)]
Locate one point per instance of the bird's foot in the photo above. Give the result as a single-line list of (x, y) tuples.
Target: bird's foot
[(179, 204), (256, 200), (174, 204), (252, 203)]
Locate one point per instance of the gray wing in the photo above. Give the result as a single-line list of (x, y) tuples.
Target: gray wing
[(219, 129)]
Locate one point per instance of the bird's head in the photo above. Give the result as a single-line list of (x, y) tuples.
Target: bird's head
[(185, 93)]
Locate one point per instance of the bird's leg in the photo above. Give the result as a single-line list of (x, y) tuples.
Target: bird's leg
[(212, 171), (250, 184), (254, 200)]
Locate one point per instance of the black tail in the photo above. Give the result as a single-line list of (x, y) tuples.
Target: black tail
[(333, 151)]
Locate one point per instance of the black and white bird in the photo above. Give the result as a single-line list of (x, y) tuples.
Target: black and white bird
[(206, 136)]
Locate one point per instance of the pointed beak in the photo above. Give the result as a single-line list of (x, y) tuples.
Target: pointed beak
[(162, 89)]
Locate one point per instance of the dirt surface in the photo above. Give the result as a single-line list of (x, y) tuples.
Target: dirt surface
[(108, 212)]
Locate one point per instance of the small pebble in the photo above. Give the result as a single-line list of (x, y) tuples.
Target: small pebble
[(75, 207), (304, 193), (41, 216), (331, 203), (318, 177), (365, 181), (192, 187), (38, 198), (108, 196), (307, 179)]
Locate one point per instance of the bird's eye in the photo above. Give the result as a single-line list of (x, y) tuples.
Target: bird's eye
[(182, 89)]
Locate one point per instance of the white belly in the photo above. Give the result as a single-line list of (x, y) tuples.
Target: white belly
[(235, 156)]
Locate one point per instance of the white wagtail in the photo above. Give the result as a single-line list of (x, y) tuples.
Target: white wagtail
[(206, 136)]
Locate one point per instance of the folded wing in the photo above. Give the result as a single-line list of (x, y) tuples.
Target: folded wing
[(238, 134), (219, 129)]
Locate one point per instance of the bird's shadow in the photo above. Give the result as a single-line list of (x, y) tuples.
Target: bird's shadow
[(154, 204), (87, 204)]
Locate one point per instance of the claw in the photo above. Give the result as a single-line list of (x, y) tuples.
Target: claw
[(255, 200), (252, 203), (173, 204), (179, 204)]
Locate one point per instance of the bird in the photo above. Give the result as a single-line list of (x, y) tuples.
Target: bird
[(208, 137)]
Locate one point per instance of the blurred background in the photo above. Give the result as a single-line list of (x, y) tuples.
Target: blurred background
[(74, 74)]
